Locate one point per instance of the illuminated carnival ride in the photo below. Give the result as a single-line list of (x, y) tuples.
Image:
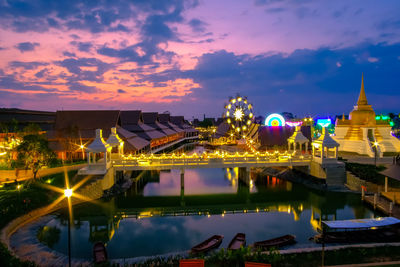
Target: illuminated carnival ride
[(239, 115)]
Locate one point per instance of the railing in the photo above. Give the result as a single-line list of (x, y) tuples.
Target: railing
[(213, 159)]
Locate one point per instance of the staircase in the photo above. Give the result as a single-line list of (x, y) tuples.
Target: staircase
[(354, 133), (92, 189)]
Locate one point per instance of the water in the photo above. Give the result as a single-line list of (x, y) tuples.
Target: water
[(142, 222)]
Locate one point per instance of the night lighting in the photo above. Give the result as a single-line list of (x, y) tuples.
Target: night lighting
[(68, 192), (294, 123), (238, 114), (324, 122), (275, 120)]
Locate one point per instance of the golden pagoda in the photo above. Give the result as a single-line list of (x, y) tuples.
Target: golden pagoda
[(362, 132)]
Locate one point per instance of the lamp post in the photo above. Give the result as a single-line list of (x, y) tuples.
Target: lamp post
[(376, 150), (68, 194)]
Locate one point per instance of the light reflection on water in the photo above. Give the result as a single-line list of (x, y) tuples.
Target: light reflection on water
[(292, 209)]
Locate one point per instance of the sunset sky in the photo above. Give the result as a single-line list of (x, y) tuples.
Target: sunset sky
[(188, 57)]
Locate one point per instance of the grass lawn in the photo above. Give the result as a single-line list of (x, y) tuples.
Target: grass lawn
[(15, 202)]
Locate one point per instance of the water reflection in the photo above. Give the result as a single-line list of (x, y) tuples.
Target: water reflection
[(157, 217)]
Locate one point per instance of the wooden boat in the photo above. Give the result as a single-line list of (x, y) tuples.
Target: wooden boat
[(210, 243), (238, 241), (99, 252), (276, 242)]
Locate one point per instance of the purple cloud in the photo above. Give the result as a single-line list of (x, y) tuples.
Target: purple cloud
[(26, 46)]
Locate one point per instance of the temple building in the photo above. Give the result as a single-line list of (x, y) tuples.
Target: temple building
[(362, 133)]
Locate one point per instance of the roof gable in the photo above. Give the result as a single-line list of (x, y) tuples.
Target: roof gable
[(87, 119), (149, 117), (131, 117)]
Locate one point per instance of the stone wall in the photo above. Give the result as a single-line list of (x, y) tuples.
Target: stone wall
[(333, 173), (354, 183)]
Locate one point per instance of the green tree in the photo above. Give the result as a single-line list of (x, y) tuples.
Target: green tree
[(34, 153), (32, 128)]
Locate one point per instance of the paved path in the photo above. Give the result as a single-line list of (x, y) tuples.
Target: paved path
[(368, 160)]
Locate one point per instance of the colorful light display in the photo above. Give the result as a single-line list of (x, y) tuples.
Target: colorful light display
[(324, 122), (294, 123), (275, 120), (381, 117), (239, 115)]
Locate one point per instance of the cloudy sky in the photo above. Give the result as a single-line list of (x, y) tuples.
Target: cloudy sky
[(188, 57)]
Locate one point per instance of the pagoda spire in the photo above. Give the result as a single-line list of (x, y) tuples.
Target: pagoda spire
[(362, 98)]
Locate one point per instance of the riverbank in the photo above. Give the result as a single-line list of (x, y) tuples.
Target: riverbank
[(21, 204)]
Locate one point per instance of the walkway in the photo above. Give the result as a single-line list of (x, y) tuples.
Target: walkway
[(212, 160)]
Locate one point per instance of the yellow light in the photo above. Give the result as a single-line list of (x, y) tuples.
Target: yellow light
[(227, 113), (376, 144), (19, 187), (238, 129), (244, 127), (208, 215), (231, 134), (238, 114), (48, 181), (82, 146), (248, 122), (229, 106), (233, 101), (251, 115), (68, 192), (250, 106), (229, 120), (239, 99)]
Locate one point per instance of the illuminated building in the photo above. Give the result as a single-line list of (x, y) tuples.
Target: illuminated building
[(362, 130)]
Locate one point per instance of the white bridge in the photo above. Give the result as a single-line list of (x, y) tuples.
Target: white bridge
[(209, 160), (193, 161), (107, 158)]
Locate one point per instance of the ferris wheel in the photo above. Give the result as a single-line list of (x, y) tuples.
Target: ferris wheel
[(239, 115)]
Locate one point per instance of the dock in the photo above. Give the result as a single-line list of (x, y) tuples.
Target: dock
[(384, 203)]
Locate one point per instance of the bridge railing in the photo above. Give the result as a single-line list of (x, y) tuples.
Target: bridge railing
[(158, 161)]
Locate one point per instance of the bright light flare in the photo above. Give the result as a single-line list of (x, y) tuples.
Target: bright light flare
[(238, 114), (68, 192)]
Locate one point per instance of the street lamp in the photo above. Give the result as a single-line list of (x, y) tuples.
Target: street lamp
[(376, 150), (68, 194)]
